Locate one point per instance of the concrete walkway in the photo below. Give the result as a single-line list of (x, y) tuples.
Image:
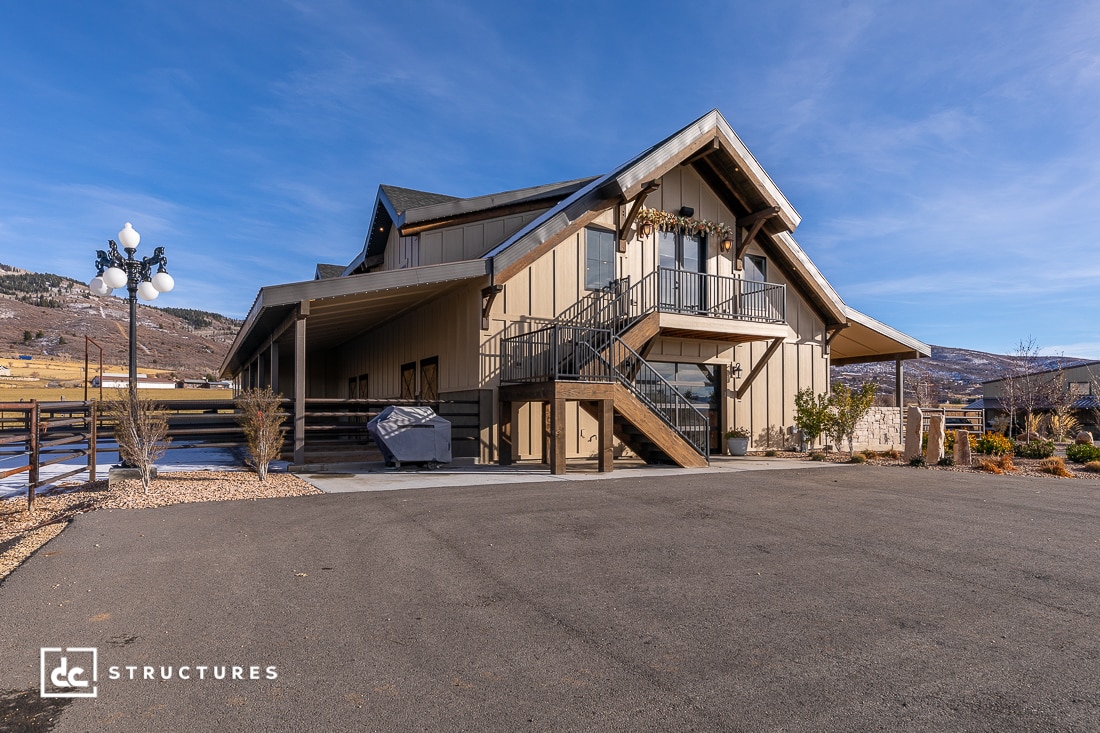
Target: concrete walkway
[(342, 478)]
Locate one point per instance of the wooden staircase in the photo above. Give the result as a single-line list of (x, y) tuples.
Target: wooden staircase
[(651, 439)]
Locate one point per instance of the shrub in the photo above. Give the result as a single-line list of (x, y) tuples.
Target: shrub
[(947, 461), (857, 458), (916, 461), (141, 431), (993, 444), (1083, 452), (1035, 449), (1092, 467), (989, 465), (1055, 467), (771, 453), (1005, 463), (262, 420), (817, 456), (891, 454)]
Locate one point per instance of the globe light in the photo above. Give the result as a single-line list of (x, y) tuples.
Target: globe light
[(163, 282), (98, 286), (129, 237), (146, 291), (115, 277)]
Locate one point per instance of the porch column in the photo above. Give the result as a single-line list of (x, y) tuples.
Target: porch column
[(606, 425), (507, 423), (300, 383), (899, 383), (274, 367), (557, 436), (899, 395)]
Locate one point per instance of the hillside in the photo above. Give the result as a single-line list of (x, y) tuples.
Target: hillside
[(49, 315), (949, 375)]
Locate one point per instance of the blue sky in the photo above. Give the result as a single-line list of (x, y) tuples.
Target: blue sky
[(945, 156)]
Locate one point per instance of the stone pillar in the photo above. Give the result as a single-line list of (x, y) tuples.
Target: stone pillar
[(914, 422), (933, 454), (962, 448)]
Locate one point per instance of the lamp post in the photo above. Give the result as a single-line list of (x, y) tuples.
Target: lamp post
[(116, 271)]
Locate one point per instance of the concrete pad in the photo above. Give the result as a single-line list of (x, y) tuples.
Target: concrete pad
[(342, 478)]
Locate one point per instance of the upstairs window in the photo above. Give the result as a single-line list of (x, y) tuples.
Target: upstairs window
[(599, 258)]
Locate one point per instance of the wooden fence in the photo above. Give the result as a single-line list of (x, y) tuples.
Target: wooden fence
[(34, 435)]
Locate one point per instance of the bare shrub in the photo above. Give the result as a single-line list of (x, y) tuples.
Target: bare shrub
[(141, 430), (999, 464), (1092, 467), (1055, 467), (261, 418)]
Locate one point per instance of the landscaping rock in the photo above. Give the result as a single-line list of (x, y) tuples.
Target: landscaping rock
[(914, 421), (933, 454), (1084, 438), (962, 448)]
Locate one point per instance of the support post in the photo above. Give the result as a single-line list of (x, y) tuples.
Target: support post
[(275, 367), (507, 431), (300, 384), (606, 426), (33, 448), (92, 438), (557, 436)]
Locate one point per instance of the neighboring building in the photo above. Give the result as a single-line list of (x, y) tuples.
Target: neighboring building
[(1081, 381), (112, 380), (660, 303), (5, 370)]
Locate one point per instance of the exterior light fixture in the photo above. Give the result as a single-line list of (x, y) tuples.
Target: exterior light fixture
[(115, 271), (727, 244), (646, 229), (735, 369)]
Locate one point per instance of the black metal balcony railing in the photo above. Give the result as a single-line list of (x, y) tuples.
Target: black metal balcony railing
[(557, 352), (575, 353), (667, 290)]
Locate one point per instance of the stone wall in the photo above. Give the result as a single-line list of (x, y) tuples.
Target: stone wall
[(879, 429)]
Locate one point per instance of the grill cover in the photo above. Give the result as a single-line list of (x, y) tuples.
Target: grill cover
[(411, 435)]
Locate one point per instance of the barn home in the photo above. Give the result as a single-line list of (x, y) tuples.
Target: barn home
[(642, 312)]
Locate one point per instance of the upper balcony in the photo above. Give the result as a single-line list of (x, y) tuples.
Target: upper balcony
[(688, 304)]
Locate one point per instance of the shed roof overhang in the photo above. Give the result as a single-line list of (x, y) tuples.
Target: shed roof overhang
[(343, 308), (866, 340)]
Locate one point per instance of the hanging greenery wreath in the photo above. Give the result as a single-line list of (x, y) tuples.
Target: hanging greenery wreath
[(668, 222)]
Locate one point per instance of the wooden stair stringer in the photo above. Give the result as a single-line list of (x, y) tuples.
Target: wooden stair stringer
[(656, 430)]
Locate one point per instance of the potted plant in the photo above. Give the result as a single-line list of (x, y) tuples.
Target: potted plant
[(737, 441)]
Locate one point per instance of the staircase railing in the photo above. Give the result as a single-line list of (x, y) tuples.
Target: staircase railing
[(664, 400), (561, 352), (557, 352)]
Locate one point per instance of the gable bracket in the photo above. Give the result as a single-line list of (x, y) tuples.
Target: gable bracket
[(488, 295), (755, 222), (830, 334), (744, 387), (638, 201)]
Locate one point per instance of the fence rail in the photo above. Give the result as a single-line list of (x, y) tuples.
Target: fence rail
[(34, 435)]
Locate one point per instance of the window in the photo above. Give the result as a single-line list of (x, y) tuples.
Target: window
[(1079, 389), (429, 379), (599, 258), (756, 268), (408, 381), (362, 386)]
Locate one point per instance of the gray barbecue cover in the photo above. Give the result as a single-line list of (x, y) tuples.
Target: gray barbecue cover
[(412, 435)]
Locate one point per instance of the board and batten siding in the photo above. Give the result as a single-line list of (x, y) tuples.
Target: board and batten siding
[(452, 244), (447, 327), (555, 281)]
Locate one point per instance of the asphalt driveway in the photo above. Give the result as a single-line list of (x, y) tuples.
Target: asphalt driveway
[(858, 598)]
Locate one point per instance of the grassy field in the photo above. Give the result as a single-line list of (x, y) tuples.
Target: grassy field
[(48, 379)]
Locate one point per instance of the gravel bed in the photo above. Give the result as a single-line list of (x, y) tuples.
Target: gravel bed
[(23, 532)]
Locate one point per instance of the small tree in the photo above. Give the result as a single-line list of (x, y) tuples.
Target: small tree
[(141, 431), (848, 408), (811, 413), (262, 420)]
